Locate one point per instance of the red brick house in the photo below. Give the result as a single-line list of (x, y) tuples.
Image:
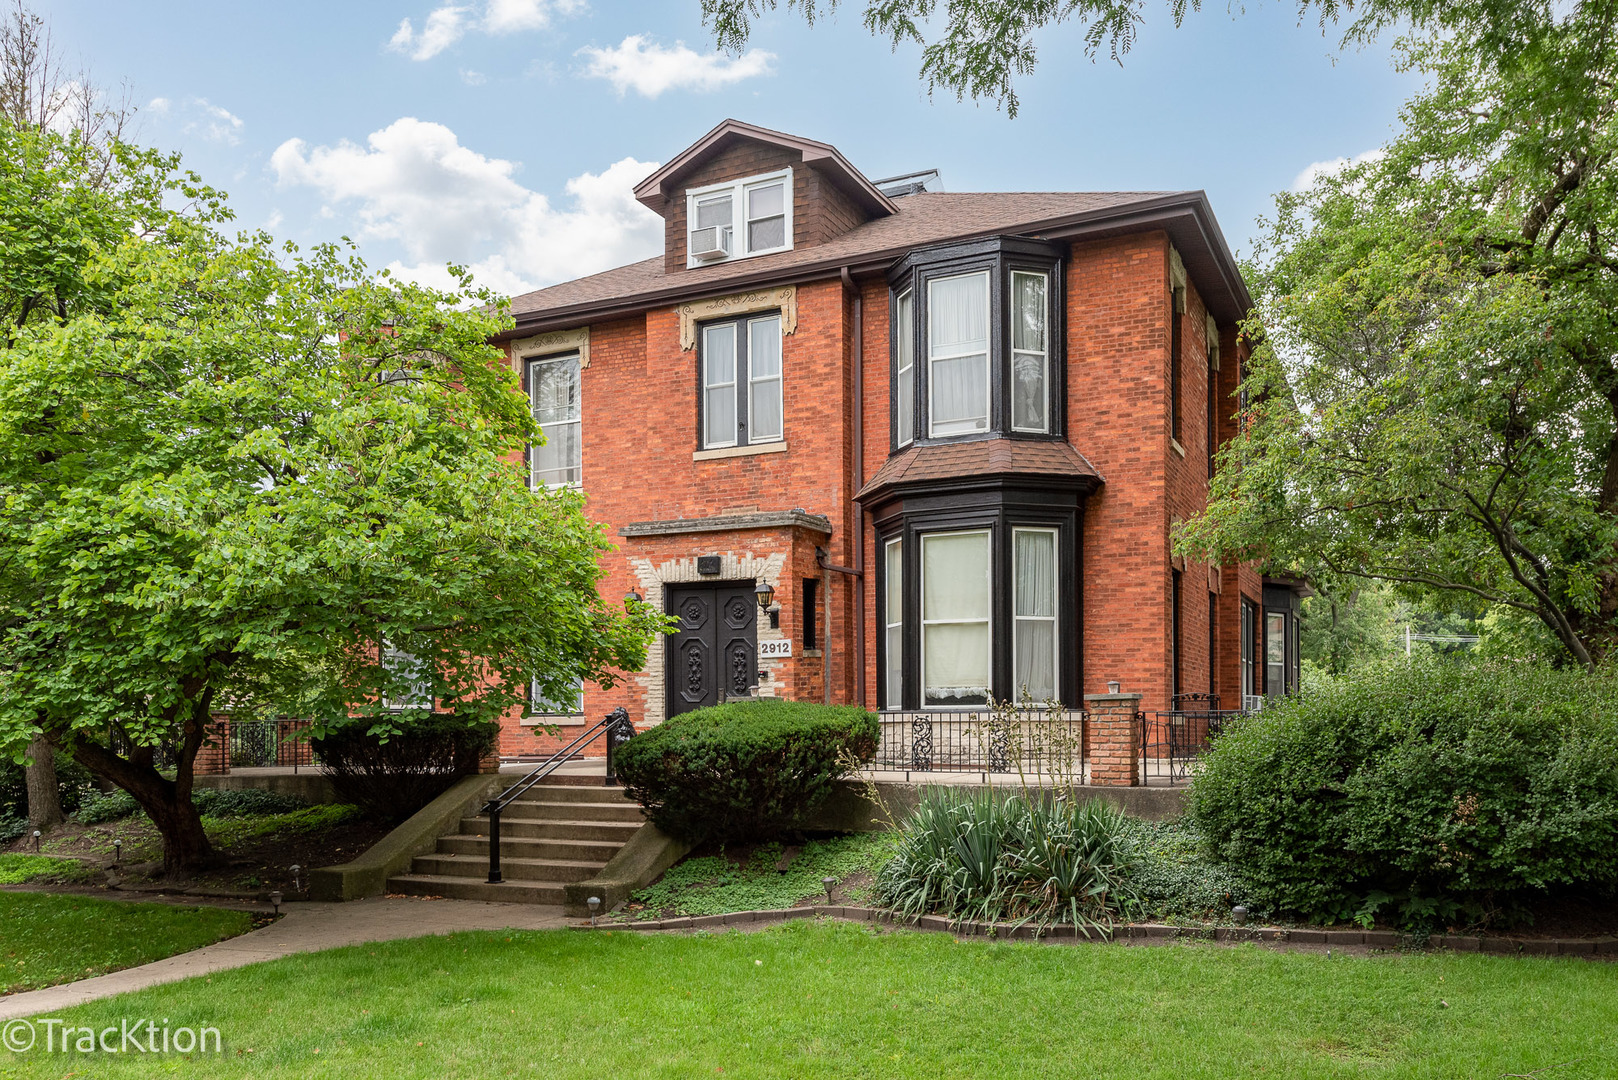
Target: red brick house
[(948, 433)]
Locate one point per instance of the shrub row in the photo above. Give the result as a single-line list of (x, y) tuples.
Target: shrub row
[(1428, 791)]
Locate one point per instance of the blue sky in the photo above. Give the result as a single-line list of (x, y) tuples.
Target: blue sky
[(505, 134)]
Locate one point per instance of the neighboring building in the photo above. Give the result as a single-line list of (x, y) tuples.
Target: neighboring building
[(951, 432)]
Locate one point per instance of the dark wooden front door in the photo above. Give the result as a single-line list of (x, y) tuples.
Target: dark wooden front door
[(716, 649)]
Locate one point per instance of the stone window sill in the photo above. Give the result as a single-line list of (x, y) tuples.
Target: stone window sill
[(560, 721), (739, 451), (1175, 444)]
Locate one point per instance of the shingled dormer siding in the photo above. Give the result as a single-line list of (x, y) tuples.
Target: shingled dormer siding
[(820, 210)]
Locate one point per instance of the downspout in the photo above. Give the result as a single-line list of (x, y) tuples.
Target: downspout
[(856, 482)]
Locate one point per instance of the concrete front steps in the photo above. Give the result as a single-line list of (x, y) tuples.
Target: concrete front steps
[(550, 835)]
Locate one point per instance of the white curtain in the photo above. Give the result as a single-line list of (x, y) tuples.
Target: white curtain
[(957, 350), (905, 346), (955, 617), (764, 373), (766, 217), (893, 614), (719, 382), (1029, 390), (1034, 570)]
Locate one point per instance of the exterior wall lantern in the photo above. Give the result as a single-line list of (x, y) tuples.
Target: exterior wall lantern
[(765, 594), (631, 598)]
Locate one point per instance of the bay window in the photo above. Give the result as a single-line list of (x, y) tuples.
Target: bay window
[(976, 342), (553, 395), (979, 600)]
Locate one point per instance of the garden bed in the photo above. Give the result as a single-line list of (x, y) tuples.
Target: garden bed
[(258, 849), (715, 878)]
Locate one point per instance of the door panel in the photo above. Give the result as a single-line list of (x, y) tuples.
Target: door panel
[(715, 650)]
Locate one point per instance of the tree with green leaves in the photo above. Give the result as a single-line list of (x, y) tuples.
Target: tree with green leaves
[(1434, 392), (978, 48), (235, 472)]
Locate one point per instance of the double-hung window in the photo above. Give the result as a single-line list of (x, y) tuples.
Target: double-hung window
[(1034, 658), (553, 394), (742, 403), (410, 681), (1030, 352), (571, 705), (893, 608), (958, 354), (904, 387), (739, 218), (955, 618)]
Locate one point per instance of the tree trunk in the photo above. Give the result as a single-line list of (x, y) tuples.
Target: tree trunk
[(167, 802), (44, 799)]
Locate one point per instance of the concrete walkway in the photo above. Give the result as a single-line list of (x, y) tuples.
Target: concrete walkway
[(306, 927)]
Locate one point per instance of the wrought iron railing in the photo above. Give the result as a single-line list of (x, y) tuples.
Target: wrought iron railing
[(260, 744), (1038, 742), (1171, 742), (617, 728)]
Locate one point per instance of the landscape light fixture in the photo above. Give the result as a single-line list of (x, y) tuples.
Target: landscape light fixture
[(828, 883), (117, 851), (595, 906), (765, 593), (36, 839), (1238, 915), (296, 870), (275, 900)]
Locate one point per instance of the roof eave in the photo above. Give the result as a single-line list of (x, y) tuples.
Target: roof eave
[(1185, 215)]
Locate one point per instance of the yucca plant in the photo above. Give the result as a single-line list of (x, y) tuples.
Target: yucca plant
[(975, 855)]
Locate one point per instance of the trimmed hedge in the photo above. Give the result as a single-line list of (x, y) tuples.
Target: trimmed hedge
[(392, 779), (744, 770), (1421, 793)]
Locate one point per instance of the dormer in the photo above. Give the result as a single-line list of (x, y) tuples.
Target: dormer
[(741, 192)]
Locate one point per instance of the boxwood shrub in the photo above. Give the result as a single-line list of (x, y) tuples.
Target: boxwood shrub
[(1421, 793), (744, 770)]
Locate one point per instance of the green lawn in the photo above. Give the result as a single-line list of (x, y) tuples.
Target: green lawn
[(47, 939), (17, 869), (837, 1000)]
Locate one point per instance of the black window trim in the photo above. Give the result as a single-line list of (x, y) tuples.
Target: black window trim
[(743, 384), (1000, 512), (1001, 256)]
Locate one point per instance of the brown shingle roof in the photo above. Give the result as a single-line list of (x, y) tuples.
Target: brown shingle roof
[(982, 457), (926, 218)]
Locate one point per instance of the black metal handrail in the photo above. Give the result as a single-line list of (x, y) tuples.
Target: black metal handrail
[(618, 729)]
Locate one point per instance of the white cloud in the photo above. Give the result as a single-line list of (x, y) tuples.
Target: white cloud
[(414, 183), (1306, 179), (213, 123), (448, 23), (473, 78), (637, 63), (158, 105)]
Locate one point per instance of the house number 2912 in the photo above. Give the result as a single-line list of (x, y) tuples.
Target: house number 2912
[(770, 649)]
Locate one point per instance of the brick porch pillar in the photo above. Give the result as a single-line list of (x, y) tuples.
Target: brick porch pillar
[(1113, 731), (213, 758)]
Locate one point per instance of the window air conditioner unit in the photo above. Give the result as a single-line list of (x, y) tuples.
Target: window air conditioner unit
[(710, 243)]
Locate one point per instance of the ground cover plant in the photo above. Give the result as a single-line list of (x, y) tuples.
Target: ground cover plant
[(809, 1001), (261, 836), (1176, 879), (48, 939), (1428, 794), (767, 877), (744, 770), (18, 869)]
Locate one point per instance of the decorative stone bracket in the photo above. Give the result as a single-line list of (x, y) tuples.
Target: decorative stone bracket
[(785, 298)]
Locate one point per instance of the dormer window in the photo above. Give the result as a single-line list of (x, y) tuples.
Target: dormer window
[(739, 218), (981, 357)]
